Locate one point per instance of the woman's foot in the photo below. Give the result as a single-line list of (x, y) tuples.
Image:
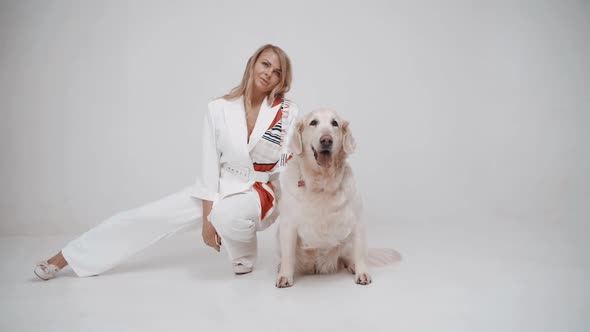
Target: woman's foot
[(46, 271), (240, 268)]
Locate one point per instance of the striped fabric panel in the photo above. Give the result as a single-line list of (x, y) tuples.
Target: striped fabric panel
[(265, 156)]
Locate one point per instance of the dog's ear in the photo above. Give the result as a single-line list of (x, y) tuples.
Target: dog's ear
[(296, 145), (348, 143)]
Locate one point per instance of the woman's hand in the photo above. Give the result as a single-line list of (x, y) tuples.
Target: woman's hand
[(210, 236)]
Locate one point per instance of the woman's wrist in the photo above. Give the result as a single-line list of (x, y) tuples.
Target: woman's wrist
[(207, 206)]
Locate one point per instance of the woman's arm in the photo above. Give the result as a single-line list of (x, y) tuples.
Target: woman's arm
[(207, 184)]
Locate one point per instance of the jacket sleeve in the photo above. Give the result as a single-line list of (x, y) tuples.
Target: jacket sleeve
[(207, 184)]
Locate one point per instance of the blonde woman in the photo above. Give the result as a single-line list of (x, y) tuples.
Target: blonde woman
[(243, 148)]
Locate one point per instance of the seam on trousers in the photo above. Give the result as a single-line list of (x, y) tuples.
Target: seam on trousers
[(242, 224)]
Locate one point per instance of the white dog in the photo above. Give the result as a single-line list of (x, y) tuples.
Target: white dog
[(320, 227)]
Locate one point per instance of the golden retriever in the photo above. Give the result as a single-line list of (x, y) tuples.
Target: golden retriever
[(321, 226)]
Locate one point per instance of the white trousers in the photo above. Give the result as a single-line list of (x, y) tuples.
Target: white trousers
[(236, 219)]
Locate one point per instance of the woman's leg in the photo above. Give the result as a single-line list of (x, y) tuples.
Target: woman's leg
[(235, 218), (128, 232), (58, 260)]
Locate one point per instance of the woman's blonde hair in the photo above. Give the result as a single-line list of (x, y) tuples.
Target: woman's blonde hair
[(245, 87)]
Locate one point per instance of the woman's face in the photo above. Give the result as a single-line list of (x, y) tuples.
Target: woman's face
[(267, 72)]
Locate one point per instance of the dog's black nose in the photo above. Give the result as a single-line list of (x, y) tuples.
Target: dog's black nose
[(326, 141)]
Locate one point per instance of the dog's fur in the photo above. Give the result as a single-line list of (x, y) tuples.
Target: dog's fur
[(320, 226)]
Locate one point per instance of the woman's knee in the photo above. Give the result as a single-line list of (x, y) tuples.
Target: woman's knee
[(233, 226), (228, 218)]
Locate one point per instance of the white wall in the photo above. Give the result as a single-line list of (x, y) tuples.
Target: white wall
[(459, 109)]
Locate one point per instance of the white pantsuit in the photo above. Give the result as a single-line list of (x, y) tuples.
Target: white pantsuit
[(236, 213)]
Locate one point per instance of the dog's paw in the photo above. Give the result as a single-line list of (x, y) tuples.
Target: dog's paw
[(350, 268), (362, 278), (284, 281)]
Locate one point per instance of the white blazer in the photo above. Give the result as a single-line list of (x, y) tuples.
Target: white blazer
[(225, 141)]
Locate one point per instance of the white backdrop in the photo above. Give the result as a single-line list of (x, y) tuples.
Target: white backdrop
[(477, 112)]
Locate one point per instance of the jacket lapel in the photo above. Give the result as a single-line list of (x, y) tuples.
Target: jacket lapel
[(265, 117), (235, 119)]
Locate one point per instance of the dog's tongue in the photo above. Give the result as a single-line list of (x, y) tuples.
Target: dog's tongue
[(324, 159)]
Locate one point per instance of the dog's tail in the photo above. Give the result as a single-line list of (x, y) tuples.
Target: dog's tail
[(383, 256)]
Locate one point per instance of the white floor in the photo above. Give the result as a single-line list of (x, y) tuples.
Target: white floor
[(492, 276)]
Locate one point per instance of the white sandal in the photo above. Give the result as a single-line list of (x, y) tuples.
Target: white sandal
[(46, 271), (240, 268)]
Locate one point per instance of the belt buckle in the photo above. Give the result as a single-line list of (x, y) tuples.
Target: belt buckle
[(244, 172)]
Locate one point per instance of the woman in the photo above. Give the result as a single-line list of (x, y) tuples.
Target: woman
[(243, 149)]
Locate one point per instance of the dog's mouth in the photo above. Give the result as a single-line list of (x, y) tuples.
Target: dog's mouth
[(323, 157)]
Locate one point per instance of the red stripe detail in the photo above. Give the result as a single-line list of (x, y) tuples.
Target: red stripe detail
[(264, 168), (276, 101), (277, 118), (266, 198)]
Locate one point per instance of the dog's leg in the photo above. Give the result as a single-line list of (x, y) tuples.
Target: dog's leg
[(288, 243), (347, 264), (346, 259), (359, 253), (328, 261)]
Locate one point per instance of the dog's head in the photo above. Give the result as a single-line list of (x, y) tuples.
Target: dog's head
[(324, 137)]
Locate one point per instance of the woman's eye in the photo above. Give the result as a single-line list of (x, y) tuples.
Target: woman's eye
[(334, 123), (313, 123), (266, 64)]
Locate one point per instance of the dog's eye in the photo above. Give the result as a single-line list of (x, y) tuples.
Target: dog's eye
[(334, 123), (313, 123)]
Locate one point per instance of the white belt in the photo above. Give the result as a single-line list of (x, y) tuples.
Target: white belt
[(246, 174)]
